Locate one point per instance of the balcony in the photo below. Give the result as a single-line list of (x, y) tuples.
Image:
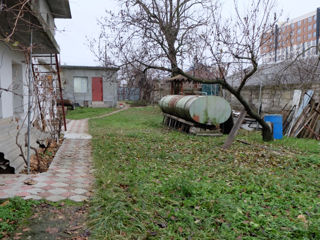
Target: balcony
[(37, 17)]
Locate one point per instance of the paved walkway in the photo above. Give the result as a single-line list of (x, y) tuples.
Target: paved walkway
[(70, 173), (69, 176)]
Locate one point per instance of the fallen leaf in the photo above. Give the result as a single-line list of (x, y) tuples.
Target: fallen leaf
[(173, 218), (30, 181), (302, 218), (153, 234), (5, 203), (180, 229), (52, 230), (162, 225)]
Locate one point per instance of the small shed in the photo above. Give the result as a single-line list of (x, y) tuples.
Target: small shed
[(182, 85), (90, 86)]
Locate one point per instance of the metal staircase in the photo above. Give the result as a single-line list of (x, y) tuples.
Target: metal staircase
[(47, 65), (44, 67)]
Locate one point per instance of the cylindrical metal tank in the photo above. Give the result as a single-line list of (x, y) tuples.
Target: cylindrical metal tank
[(210, 110)]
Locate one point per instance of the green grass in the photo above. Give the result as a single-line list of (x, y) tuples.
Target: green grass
[(82, 112), (153, 183), (13, 212)]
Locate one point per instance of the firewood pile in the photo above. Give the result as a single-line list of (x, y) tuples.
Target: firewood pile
[(303, 120)]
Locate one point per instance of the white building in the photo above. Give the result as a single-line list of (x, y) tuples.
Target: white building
[(35, 26)]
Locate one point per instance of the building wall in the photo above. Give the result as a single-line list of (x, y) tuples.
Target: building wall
[(274, 98), (41, 7), (109, 85), (292, 38), (12, 66)]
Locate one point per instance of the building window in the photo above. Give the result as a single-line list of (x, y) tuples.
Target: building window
[(309, 36), (80, 84), (314, 17), (314, 34), (314, 26), (298, 39), (309, 27), (309, 19), (299, 23), (299, 31)]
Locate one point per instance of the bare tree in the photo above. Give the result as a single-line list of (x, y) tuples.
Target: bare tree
[(152, 31), (168, 34)]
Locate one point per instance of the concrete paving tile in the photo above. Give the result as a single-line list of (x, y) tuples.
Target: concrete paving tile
[(79, 180), (22, 194), (49, 182), (47, 187), (67, 194), (55, 198), (79, 191), (10, 181), (8, 186), (63, 171), (40, 184), (44, 194), (78, 198), (57, 191), (26, 188), (78, 185), (59, 184), (34, 197), (3, 195), (35, 190), (62, 175)]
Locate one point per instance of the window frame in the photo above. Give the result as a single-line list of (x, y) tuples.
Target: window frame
[(82, 84)]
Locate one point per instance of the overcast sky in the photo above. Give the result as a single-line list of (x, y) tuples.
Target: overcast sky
[(72, 33)]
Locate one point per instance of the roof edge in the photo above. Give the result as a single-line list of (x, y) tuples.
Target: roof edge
[(89, 67), (60, 8)]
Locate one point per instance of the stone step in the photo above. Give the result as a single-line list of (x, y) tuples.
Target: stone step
[(98, 105), (16, 161)]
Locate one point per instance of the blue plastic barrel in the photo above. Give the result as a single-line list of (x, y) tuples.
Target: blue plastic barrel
[(276, 120)]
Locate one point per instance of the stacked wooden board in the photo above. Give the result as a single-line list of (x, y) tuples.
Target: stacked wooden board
[(302, 120)]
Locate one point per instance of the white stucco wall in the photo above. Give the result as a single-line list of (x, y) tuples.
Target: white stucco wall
[(9, 57)]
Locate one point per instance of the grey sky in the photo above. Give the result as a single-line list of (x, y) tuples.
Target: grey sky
[(71, 34)]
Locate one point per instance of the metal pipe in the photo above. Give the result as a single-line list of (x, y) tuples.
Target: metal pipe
[(61, 95), (29, 103)]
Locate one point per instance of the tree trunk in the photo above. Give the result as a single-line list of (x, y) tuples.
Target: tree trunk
[(266, 130), (267, 134)]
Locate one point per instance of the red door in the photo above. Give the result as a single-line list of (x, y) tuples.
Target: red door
[(97, 92)]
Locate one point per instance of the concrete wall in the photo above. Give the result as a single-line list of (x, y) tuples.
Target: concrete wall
[(274, 98), (12, 67), (109, 85), (43, 10)]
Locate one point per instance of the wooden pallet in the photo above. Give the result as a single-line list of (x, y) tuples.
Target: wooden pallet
[(183, 125)]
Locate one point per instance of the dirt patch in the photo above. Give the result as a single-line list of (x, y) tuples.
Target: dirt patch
[(63, 221), (41, 161)]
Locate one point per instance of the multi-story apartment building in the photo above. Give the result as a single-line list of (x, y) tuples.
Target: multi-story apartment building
[(300, 36)]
